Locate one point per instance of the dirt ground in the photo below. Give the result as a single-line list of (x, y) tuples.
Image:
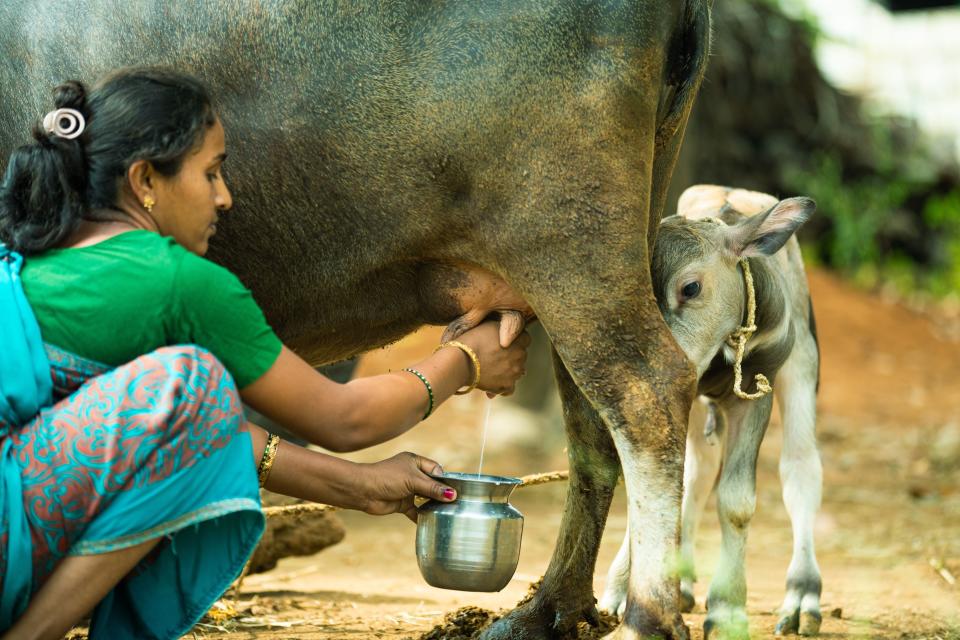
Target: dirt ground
[(888, 533)]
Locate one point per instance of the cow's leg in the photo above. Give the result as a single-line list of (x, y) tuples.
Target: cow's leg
[(566, 594), (651, 454), (606, 183), (702, 462), (746, 422), (700, 468), (801, 476), (637, 385)]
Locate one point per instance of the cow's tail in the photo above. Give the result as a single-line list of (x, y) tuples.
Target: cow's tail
[(687, 53)]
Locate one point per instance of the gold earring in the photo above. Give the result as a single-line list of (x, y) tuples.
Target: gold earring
[(148, 203)]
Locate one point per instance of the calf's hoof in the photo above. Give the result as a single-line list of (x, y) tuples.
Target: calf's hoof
[(687, 601), (726, 623), (804, 623), (613, 604)]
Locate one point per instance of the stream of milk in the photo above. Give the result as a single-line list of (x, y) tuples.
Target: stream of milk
[(483, 444)]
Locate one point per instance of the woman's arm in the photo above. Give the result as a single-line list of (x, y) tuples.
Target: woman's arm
[(367, 411), (379, 488)]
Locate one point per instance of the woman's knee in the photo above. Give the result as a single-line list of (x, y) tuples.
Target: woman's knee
[(195, 380)]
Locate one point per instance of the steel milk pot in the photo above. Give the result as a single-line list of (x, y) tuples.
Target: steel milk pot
[(473, 543)]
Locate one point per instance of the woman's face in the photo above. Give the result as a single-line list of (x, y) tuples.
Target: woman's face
[(189, 203)]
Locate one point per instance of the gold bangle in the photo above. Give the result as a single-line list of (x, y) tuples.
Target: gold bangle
[(266, 460), (473, 359)]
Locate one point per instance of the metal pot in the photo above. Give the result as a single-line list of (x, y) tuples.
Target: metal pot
[(472, 543)]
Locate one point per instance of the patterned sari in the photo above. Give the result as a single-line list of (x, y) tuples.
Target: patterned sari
[(148, 449), (116, 457)]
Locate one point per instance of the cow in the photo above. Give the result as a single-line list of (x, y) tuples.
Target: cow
[(699, 280), (388, 156)]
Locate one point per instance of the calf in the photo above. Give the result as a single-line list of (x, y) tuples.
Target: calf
[(699, 281)]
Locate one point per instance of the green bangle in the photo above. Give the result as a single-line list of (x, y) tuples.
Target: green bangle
[(426, 383)]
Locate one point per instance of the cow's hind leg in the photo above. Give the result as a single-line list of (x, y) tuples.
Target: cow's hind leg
[(636, 385), (746, 423), (702, 462), (801, 476), (651, 455), (565, 596)]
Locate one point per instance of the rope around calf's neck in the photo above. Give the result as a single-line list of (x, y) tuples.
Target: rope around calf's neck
[(738, 340)]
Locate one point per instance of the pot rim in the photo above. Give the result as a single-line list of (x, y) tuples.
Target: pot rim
[(482, 478)]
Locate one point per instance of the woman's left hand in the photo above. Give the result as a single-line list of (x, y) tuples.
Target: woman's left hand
[(390, 485)]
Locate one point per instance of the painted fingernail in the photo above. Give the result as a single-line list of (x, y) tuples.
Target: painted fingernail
[(449, 494)]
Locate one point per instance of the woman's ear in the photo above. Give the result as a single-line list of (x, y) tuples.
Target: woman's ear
[(141, 182), (765, 233)]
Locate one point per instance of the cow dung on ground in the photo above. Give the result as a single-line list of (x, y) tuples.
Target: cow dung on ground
[(466, 623), (294, 534)]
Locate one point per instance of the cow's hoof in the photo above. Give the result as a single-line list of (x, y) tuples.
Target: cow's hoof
[(687, 601), (665, 630), (541, 619), (726, 623), (804, 623)]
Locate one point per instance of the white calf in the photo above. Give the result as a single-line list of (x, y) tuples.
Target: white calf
[(699, 278)]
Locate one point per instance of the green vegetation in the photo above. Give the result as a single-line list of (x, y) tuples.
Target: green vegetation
[(890, 225)]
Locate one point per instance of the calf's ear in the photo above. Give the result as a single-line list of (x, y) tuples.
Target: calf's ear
[(765, 233)]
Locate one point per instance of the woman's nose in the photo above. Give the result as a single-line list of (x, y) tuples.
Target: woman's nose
[(223, 198)]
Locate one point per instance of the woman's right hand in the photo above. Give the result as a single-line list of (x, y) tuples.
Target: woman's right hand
[(500, 367), (390, 485)]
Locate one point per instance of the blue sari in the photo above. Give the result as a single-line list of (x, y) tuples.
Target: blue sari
[(97, 459)]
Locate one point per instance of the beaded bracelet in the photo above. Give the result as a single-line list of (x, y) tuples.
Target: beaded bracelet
[(426, 383), (473, 359), (266, 460)]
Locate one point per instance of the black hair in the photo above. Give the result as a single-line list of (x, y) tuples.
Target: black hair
[(140, 113)]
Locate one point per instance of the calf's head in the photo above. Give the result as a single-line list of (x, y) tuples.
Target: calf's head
[(696, 275)]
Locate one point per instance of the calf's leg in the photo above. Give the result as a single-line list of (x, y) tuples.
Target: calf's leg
[(614, 598), (700, 469), (802, 477), (746, 423)]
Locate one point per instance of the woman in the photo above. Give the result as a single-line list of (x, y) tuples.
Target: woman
[(133, 481)]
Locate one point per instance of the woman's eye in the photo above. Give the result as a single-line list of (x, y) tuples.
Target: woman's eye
[(690, 290)]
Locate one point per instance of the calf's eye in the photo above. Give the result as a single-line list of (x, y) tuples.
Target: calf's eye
[(690, 290)]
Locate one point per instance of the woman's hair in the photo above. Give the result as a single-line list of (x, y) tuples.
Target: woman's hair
[(151, 114)]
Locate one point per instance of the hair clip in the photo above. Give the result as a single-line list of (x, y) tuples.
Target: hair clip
[(64, 123)]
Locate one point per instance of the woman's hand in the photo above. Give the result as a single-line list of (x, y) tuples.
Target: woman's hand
[(500, 367), (390, 485)]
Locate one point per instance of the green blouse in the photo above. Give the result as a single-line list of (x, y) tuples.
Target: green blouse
[(138, 291)]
